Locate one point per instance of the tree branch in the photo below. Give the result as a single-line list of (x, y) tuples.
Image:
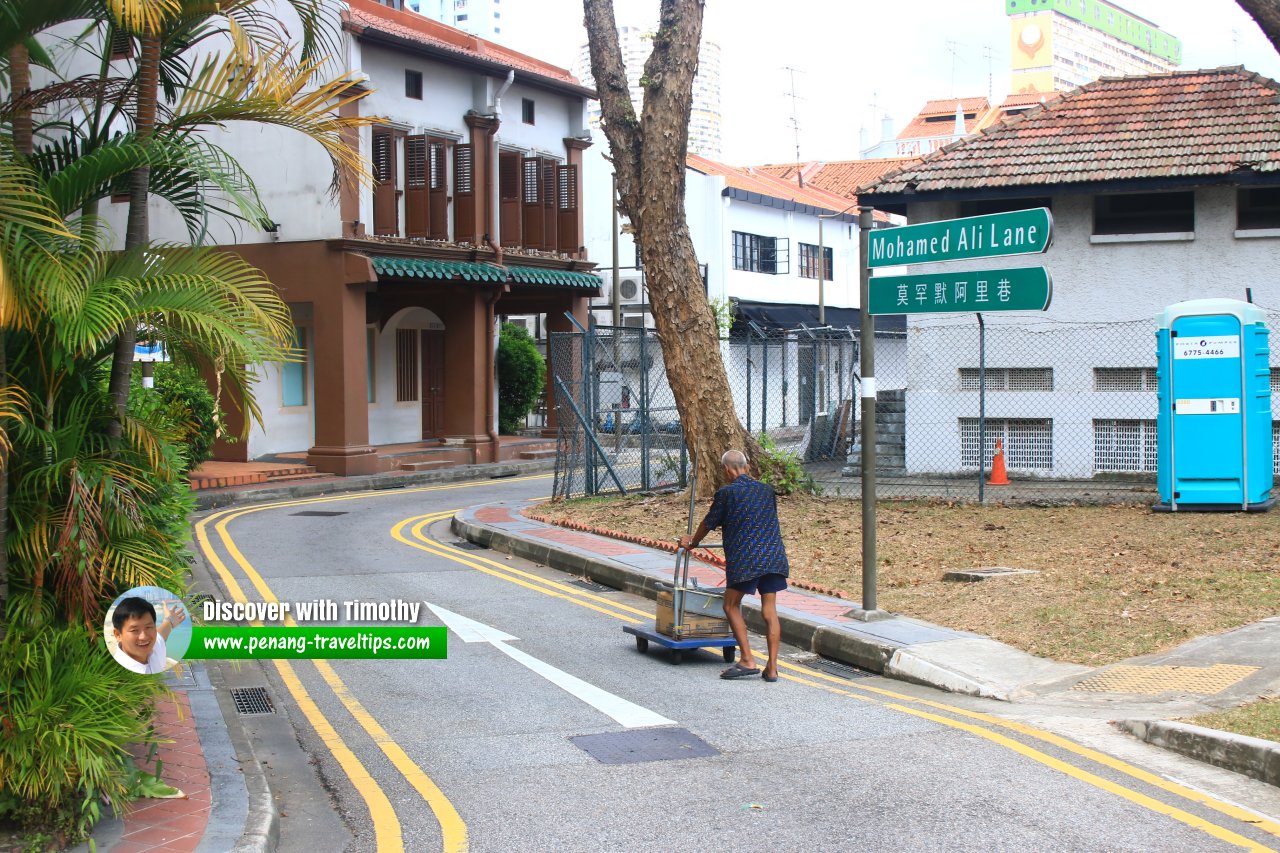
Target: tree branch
[(621, 126)]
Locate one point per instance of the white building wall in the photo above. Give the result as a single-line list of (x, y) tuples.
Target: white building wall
[(1106, 297)]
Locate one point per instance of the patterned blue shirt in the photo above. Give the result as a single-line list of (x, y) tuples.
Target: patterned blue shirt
[(748, 511)]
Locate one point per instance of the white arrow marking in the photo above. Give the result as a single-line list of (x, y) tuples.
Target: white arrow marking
[(626, 713)]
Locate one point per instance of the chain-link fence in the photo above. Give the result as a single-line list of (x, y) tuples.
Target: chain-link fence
[(1071, 407)]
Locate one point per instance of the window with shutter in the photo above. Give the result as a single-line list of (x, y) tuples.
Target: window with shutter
[(464, 197), (531, 209), (416, 212), (509, 197), (568, 209), (437, 191), (550, 198), (406, 365), (121, 45), (385, 219)]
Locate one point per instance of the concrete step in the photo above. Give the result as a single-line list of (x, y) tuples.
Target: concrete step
[(429, 465), (540, 453), (445, 456), (285, 478)]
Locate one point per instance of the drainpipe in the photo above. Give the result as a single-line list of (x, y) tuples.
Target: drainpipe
[(496, 106), (491, 375)]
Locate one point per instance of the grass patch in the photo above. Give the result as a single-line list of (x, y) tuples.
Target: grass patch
[(1257, 719), (1114, 582)]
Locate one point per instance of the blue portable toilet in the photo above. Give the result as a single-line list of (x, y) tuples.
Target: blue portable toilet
[(1214, 424)]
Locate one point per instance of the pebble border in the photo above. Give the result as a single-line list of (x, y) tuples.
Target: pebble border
[(703, 554)]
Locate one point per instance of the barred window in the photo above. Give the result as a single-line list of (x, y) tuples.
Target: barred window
[(753, 253), (1125, 379), (406, 365), (1028, 443), (1008, 379), (1124, 445), (809, 261)]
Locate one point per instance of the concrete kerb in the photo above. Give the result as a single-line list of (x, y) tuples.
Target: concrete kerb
[(1250, 756), (868, 653), (224, 498)]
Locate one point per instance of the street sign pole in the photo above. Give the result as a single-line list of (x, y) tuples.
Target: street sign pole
[(866, 221)]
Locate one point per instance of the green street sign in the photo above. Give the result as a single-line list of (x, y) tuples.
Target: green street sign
[(1019, 232), (1024, 289)]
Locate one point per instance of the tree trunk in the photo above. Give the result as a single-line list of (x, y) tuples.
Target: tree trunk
[(137, 231), (23, 143), (649, 159), (1266, 13)]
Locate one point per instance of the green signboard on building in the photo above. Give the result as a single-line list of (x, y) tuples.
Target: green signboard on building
[(1019, 232), (1024, 289)]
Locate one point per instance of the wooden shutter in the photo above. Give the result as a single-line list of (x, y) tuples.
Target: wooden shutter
[(464, 195), (531, 209), (570, 239), (550, 201), (407, 365), (416, 209), (437, 191), (509, 197), (385, 218)]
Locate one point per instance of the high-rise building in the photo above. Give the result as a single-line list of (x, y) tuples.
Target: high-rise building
[(1061, 44), (704, 120), (479, 17)]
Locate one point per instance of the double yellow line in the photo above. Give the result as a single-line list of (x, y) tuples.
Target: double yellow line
[(983, 725), (386, 824)]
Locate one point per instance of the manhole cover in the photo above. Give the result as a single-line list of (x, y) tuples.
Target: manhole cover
[(982, 574), (640, 745), (592, 585), (468, 545), (251, 700), (319, 513)]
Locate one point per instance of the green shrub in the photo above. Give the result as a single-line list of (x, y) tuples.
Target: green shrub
[(522, 375), (190, 405), (67, 710), (782, 469)]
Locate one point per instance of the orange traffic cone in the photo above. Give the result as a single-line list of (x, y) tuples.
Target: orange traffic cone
[(998, 475)]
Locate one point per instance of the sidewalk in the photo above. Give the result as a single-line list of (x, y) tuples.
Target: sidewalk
[(1205, 674)]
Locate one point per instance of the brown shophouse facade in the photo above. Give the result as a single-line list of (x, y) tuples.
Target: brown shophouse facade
[(474, 213)]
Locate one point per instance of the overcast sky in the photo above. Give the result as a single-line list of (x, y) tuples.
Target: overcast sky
[(857, 60)]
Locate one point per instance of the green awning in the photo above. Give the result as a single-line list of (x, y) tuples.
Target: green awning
[(402, 267), (556, 278), (446, 270)]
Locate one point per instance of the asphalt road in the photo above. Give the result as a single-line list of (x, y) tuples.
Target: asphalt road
[(478, 751)]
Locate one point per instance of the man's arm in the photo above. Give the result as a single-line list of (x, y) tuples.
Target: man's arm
[(172, 619), (687, 542)]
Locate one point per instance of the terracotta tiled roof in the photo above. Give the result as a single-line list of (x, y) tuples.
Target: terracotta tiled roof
[(364, 16), (943, 115), (1186, 124), (766, 184), (840, 177)]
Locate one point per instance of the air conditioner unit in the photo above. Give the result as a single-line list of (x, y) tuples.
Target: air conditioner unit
[(630, 287)]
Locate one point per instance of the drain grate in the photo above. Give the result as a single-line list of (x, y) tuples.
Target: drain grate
[(843, 670), (319, 513), (251, 700), (641, 745), (592, 585), (468, 545)]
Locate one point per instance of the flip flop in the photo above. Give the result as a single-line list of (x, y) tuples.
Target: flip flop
[(739, 671), (769, 678)]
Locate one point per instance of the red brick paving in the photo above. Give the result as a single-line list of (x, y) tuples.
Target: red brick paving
[(170, 826), (495, 515), (585, 541)]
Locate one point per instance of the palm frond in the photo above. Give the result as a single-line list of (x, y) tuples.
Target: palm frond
[(272, 89), (143, 17)]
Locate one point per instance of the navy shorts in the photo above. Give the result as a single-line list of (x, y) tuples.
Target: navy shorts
[(762, 584)]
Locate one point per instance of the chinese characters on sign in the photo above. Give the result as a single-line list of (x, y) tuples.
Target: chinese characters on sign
[(1024, 289)]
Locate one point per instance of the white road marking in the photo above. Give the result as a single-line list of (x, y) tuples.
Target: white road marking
[(626, 713)]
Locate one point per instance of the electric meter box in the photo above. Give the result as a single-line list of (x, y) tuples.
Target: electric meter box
[(1213, 429)]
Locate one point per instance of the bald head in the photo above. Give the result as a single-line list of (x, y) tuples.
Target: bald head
[(734, 461)]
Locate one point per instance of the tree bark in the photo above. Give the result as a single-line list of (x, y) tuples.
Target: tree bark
[(24, 144), (649, 160), (1266, 13), (137, 232)]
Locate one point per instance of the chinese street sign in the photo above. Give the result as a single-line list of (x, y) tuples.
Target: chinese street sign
[(1023, 289), (1019, 232)]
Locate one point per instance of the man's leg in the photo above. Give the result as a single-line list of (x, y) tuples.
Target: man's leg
[(733, 610), (773, 630)]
